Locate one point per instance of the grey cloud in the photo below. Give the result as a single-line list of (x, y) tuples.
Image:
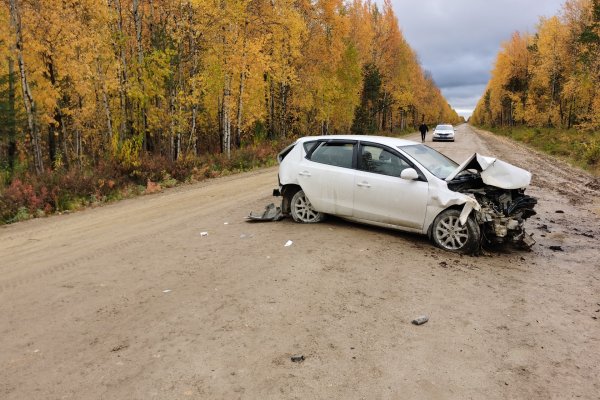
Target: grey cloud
[(457, 41)]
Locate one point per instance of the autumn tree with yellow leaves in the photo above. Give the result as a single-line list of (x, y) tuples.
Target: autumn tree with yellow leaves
[(550, 78), (82, 81)]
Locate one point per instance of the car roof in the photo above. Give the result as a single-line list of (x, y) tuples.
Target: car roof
[(385, 140)]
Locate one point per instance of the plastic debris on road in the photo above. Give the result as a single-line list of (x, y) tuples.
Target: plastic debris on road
[(288, 243), (203, 233), (271, 213)]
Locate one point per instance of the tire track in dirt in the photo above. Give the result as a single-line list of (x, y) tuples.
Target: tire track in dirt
[(113, 245)]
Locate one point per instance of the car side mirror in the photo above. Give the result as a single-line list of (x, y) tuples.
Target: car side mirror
[(409, 174)]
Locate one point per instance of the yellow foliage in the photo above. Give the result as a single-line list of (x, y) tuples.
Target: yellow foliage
[(121, 78), (550, 79)]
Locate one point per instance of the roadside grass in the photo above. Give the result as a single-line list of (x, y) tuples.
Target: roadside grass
[(579, 148), (24, 195)]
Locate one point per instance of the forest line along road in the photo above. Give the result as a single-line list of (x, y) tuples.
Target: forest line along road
[(130, 301)]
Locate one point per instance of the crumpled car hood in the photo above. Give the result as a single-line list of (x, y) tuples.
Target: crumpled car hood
[(495, 172)]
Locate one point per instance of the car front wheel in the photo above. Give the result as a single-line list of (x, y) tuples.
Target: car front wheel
[(449, 234), (302, 210)]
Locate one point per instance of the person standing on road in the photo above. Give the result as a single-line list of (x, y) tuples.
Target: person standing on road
[(423, 129)]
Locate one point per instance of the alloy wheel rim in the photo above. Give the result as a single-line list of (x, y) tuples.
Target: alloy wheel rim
[(451, 234), (304, 209)]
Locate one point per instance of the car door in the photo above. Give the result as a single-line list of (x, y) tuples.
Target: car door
[(380, 194), (327, 176)]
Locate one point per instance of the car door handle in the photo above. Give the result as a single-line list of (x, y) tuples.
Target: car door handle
[(304, 173), (363, 184)]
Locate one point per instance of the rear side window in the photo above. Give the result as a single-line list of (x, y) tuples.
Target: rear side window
[(309, 145), (334, 153)]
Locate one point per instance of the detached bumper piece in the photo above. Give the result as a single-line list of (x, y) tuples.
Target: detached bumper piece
[(271, 213)]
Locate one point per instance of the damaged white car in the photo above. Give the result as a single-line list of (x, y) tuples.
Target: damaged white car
[(405, 185)]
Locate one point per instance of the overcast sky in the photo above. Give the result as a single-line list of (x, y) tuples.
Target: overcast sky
[(457, 40)]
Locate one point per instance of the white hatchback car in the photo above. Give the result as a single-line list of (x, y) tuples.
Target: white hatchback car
[(406, 185), (443, 132)]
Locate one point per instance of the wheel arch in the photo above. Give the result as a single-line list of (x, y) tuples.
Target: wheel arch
[(287, 192), (458, 207)]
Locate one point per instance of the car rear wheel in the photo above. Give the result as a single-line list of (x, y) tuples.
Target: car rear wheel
[(302, 210), (449, 234)]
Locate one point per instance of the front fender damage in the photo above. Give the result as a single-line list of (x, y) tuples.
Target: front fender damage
[(499, 189), (446, 199)]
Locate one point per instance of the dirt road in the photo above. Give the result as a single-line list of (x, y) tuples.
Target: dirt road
[(130, 301)]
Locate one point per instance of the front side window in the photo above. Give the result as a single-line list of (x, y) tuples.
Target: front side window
[(334, 153), (380, 161)]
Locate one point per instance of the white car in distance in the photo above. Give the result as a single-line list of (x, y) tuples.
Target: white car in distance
[(443, 132), (406, 185)]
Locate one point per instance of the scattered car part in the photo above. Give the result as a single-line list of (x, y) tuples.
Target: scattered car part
[(271, 213)]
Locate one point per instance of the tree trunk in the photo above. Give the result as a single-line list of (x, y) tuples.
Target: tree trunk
[(192, 143), (12, 123), (383, 113), (240, 104), (402, 119), (28, 100), (570, 117), (220, 121), (142, 123), (268, 106), (172, 149), (227, 117), (272, 110), (56, 134), (283, 115), (109, 129), (123, 72)]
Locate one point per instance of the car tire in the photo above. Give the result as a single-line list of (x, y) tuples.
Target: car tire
[(448, 234), (302, 210)]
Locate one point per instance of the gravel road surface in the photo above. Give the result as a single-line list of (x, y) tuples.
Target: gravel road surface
[(131, 301)]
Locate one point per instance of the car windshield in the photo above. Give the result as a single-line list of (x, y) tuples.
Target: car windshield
[(444, 127), (436, 163)]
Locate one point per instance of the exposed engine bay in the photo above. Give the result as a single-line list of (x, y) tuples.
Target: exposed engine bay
[(503, 211)]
